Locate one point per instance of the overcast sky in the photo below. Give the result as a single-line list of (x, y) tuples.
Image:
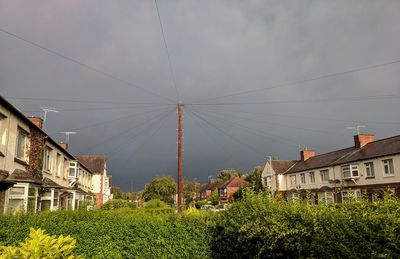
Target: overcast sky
[(217, 48)]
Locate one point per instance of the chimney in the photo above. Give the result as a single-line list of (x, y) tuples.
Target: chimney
[(36, 120), (361, 140), (63, 145), (306, 154)]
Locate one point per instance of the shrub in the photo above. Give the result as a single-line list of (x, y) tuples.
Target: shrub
[(155, 203), (117, 204), (40, 245)]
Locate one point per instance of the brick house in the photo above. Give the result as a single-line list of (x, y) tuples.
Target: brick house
[(368, 167), (206, 190), (229, 187)]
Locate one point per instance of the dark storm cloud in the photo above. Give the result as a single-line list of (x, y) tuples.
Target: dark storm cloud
[(216, 48)]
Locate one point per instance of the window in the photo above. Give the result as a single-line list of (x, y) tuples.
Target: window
[(350, 171), (73, 170), (58, 165), (21, 144), (349, 195), (369, 168), (303, 178), (312, 177), (294, 197), (325, 198), (324, 175), (293, 180), (3, 131), (388, 167), (47, 159), (268, 181)]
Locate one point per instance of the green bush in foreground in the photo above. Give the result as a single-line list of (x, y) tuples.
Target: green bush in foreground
[(117, 204), (40, 245)]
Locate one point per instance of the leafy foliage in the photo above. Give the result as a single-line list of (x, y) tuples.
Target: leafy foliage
[(117, 204), (163, 188), (40, 245), (254, 178)]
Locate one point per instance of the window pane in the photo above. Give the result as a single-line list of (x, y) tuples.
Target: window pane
[(17, 190), (45, 205), (15, 205), (32, 191), (31, 204)]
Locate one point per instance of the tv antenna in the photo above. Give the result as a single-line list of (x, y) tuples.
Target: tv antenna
[(356, 128), (67, 134), (45, 110)]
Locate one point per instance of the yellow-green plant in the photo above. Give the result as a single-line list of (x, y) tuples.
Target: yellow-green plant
[(41, 245)]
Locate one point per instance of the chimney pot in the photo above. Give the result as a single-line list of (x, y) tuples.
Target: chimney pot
[(305, 154), (36, 120), (363, 139), (64, 145)]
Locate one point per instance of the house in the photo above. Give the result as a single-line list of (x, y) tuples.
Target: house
[(37, 173), (102, 182), (368, 168), (206, 190), (272, 175), (229, 187)]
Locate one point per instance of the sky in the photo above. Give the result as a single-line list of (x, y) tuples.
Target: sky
[(113, 83)]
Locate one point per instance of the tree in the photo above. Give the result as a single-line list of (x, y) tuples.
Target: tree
[(190, 190), (163, 188), (215, 197), (227, 174), (116, 191), (254, 178)]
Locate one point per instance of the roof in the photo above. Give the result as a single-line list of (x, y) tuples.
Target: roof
[(95, 163), (210, 186), (281, 166), (233, 182), (51, 184), (3, 175), (22, 176), (379, 148)]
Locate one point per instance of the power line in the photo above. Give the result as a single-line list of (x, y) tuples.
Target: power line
[(336, 99), (306, 117), (82, 101), (94, 109), (293, 83), (58, 54), (167, 51)]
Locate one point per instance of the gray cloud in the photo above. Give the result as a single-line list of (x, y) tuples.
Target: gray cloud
[(217, 48)]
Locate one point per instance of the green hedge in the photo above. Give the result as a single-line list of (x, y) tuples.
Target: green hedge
[(254, 227), (123, 233), (259, 227)]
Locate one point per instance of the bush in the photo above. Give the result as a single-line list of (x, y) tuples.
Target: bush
[(40, 245), (156, 203), (258, 226), (117, 204)]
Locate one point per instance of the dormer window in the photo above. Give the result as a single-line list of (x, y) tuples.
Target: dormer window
[(350, 171)]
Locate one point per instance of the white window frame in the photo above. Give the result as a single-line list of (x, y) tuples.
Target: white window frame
[(311, 176), (59, 162), (291, 177), (303, 178), (47, 159), (24, 134), (322, 173), (388, 167), (369, 169), (268, 182), (354, 194), (74, 166), (350, 171), (326, 198)]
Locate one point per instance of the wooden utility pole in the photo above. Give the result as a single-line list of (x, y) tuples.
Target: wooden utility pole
[(180, 187)]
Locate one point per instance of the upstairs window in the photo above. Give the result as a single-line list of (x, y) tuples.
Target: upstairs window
[(324, 175), (21, 144), (58, 164), (268, 181), (350, 171), (293, 180), (312, 177), (369, 168), (47, 159), (303, 178), (388, 167), (73, 170)]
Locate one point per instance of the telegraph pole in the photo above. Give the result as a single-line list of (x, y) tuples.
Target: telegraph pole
[(180, 187)]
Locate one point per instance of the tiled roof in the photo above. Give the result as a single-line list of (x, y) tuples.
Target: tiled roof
[(281, 166), (210, 186), (233, 182), (95, 163), (51, 184), (379, 148), (22, 176), (3, 175)]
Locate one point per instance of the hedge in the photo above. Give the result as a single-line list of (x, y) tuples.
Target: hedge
[(257, 226)]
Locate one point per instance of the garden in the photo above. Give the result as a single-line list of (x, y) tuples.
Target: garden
[(256, 226)]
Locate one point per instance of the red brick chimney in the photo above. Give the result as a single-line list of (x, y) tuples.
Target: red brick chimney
[(306, 154), (363, 139), (63, 145), (36, 120)]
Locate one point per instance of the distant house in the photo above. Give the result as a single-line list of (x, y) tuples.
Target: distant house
[(102, 182), (207, 190), (368, 167), (229, 187)]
